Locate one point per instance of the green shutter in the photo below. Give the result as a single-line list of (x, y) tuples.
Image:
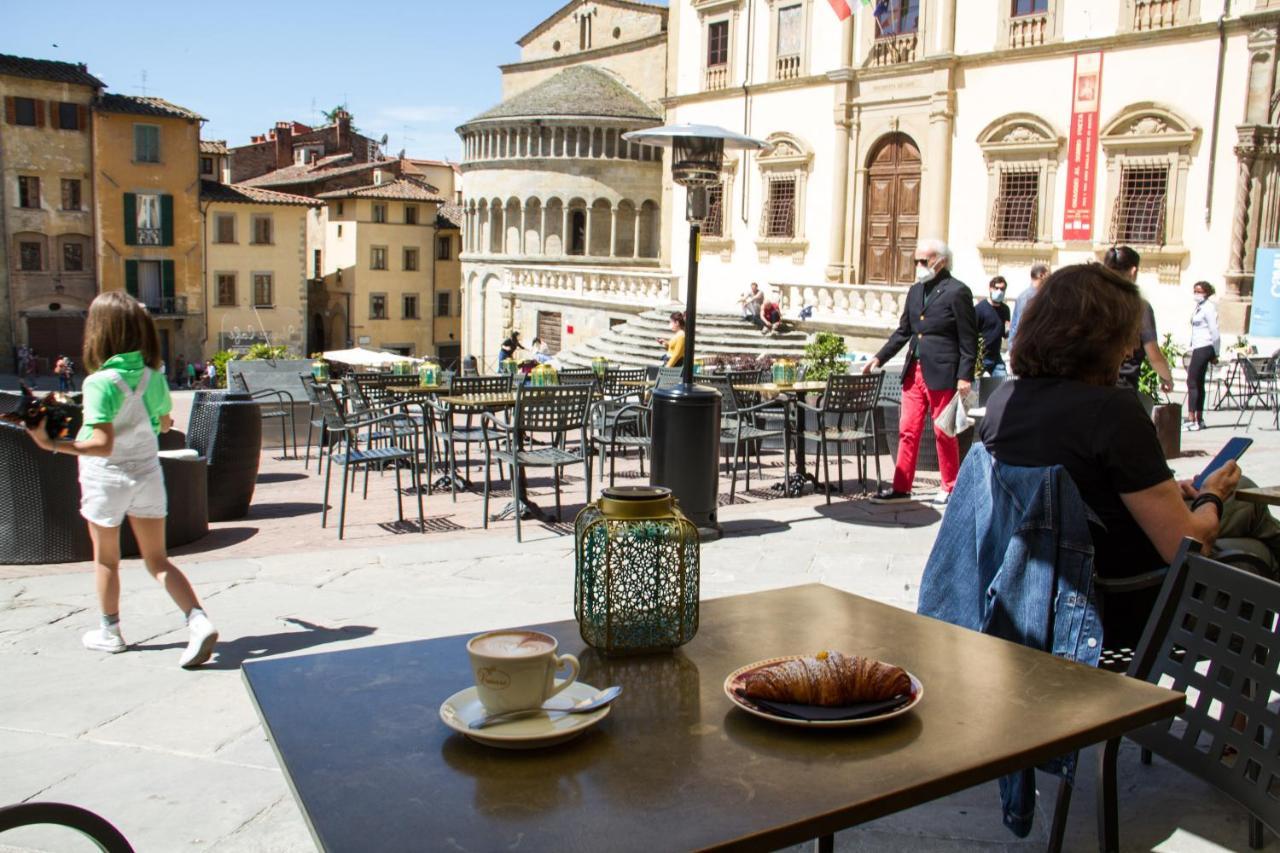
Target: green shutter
[(166, 220), (130, 220), (166, 272), (131, 278)]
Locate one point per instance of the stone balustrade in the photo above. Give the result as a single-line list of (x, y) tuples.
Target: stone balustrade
[(632, 288), (1155, 14), (787, 67), (717, 78), (1029, 30), (894, 50), (856, 305)]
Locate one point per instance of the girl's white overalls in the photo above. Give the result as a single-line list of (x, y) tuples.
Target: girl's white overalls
[(129, 481)]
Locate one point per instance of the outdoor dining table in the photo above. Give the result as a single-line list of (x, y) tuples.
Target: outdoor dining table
[(416, 392), (1269, 495), (519, 492), (676, 766), (788, 395)]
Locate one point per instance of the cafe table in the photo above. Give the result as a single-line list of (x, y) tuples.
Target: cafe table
[(676, 766), (475, 403), (416, 392), (1269, 495), (787, 395)]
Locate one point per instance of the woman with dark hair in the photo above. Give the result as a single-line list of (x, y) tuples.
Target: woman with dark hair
[(675, 343), (1206, 342), (1066, 409), (1125, 261)]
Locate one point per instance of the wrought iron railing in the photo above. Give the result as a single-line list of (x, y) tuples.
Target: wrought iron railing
[(166, 306), (894, 50), (149, 236)]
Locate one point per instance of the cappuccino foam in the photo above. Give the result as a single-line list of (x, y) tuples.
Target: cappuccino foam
[(512, 644)]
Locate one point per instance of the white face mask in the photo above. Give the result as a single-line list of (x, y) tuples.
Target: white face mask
[(1200, 298), (923, 273), (997, 296)]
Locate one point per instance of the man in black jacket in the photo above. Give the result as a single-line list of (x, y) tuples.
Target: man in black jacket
[(940, 330)]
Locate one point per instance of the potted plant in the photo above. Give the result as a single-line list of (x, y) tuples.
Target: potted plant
[(1166, 414), (824, 356)]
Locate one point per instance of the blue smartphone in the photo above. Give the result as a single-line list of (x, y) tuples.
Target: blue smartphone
[(1231, 451)]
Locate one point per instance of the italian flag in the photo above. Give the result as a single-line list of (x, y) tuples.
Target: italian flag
[(842, 9)]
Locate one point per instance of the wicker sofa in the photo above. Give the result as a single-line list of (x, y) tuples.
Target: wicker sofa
[(40, 507)]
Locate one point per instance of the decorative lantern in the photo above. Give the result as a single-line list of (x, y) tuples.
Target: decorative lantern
[(636, 584), (699, 367), (543, 374), (320, 370), (599, 366), (507, 366), (784, 372), (427, 373)]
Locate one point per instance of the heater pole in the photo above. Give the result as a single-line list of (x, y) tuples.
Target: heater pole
[(691, 301)]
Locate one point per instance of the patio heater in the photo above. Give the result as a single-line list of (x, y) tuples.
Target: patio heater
[(686, 417)]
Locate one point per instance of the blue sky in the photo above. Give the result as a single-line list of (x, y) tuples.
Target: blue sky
[(411, 70)]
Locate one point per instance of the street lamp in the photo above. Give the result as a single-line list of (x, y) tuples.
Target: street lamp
[(686, 417)]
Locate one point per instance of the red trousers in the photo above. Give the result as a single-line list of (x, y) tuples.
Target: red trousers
[(918, 402)]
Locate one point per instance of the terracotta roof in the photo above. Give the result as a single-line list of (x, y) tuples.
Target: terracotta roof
[(143, 106), (579, 91), (240, 194), (449, 216), (213, 146), (48, 69), (311, 172), (403, 189)]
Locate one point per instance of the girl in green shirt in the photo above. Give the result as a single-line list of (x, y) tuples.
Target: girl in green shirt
[(126, 405)]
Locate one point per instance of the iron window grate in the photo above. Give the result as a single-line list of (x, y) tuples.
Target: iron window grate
[(1013, 218), (1140, 205), (714, 225), (780, 216)]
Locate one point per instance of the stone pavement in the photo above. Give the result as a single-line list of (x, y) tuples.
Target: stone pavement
[(179, 761)]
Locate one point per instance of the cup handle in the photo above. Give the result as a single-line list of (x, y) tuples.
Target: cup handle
[(562, 660)]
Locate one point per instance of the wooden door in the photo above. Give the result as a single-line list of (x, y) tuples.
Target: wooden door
[(549, 329), (892, 222), (50, 337)]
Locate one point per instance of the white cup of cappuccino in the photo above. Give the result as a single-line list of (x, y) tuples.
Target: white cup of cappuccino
[(515, 670)]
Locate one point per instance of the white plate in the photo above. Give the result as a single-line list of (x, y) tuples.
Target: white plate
[(730, 683), (532, 732)]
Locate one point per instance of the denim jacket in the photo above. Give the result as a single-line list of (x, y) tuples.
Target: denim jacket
[(1014, 559)]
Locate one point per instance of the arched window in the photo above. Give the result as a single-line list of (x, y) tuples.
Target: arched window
[(784, 169), (577, 230), (533, 227), (1021, 151), (553, 231), (1148, 154), (497, 233), (625, 244), (648, 230), (601, 224), (513, 226)]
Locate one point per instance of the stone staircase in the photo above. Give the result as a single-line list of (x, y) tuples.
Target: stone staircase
[(634, 343)]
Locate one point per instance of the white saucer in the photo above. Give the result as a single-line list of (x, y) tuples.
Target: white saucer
[(532, 732)]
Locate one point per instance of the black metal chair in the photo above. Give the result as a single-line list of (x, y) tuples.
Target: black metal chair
[(450, 433), (741, 430), (620, 420), (851, 402), (343, 434), (554, 411), (576, 376), (92, 826), (1213, 634), (282, 410), (1259, 387), (315, 421)]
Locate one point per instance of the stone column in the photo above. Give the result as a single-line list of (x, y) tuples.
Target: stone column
[(613, 231), (566, 234), (591, 221), (935, 199), (635, 229), (840, 180), (542, 229), (944, 39)]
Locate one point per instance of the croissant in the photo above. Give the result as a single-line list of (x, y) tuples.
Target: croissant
[(830, 679)]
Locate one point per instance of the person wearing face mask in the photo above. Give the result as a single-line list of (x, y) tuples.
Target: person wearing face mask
[(993, 325), (1039, 272), (940, 331), (1206, 343)]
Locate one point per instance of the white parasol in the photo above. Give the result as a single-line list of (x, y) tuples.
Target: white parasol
[(361, 357)]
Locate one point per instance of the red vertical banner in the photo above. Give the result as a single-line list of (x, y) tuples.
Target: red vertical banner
[(1082, 155)]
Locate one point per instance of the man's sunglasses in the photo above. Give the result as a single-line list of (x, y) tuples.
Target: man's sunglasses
[(923, 262)]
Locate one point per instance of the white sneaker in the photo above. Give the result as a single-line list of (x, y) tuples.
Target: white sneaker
[(200, 646), (942, 498), (104, 640)]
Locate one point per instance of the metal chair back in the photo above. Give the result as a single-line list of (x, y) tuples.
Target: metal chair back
[(335, 420), (668, 376), (241, 384), (309, 388), (852, 395), (1213, 635), (621, 382), (728, 397), (356, 397), (891, 386), (576, 376), (464, 386), (552, 408), (744, 377)]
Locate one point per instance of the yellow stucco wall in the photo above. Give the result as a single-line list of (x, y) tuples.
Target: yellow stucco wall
[(286, 258), (116, 174), (448, 329), (52, 155), (348, 270)]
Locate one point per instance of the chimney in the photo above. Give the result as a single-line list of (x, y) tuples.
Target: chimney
[(344, 128), (284, 144)]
